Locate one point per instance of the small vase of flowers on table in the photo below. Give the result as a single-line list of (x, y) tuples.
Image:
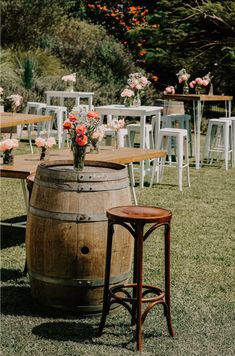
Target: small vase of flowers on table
[(183, 78), (81, 130), (44, 145), (69, 79), (199, 84), (136, 83), (6, 147)]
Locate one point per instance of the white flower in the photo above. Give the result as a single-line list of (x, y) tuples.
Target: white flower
[(15, 99)]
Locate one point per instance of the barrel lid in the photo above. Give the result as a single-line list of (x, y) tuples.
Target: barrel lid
[(92, 171)]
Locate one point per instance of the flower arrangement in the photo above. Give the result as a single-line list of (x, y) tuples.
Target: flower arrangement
[(82, 131), (127, 94), (169, 90), (199, 83), (136, 83), (116, 125), (6, 147), (44, 145), (183, 77), (69, 79), (15, 101)]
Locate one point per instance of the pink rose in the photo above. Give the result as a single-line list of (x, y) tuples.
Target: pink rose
[(127, 93), (144, 81), (191, 84), (15, 143), (40, 142), (169, 90), (50, 142), (205, 82), (199, 81)]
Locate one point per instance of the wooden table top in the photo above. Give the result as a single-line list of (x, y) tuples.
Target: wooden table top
[(8, 119), (198, 97), (24, 165)]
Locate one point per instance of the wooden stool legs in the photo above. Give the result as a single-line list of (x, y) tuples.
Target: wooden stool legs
[(133, 302)]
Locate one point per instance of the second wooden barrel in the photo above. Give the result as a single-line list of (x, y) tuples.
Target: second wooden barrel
[(66, 234)]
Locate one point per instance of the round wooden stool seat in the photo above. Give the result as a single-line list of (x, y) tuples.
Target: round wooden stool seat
[(140, 213), (132, 295)]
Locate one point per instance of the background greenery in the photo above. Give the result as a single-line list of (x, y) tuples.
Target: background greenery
[(202, 279), (104, 41)]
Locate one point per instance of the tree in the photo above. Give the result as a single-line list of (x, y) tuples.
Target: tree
[(29, 23), (198, 35)]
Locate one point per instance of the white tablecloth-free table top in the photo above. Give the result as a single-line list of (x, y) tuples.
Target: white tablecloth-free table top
[(77, 95), (142, 112)]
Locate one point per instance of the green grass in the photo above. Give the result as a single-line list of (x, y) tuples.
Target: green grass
[(203, 230)]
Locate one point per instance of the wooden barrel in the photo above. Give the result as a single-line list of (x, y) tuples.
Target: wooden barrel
[(66, 234)]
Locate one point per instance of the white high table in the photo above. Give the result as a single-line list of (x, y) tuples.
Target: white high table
[(142, 112), (77, 95)]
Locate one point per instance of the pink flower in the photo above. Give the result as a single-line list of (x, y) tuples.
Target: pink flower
[(183, 78), (144, 81), (191, 84), (205, 82), (199, 81), (50, 142), (40, 142), (15, 143), (169, 90), (69, 77), (8, 144), (93, 115), (127, 93)]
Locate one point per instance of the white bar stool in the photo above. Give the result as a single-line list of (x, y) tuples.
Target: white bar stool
[(132, 131), (218, 139), (32, 107), (60, 113), (180, 121), (181, 136)]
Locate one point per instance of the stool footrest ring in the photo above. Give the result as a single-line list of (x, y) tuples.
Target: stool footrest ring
[(159, 293)]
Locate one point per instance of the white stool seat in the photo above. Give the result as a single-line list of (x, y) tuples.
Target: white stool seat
[(218, 139), (181, 137)]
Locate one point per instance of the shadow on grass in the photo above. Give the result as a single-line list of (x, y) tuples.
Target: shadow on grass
[(66, 331), (9, 274), (84, 333), (12, 236)]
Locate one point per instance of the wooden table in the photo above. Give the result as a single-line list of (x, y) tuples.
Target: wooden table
[(141, 112), (198, 104), (25, 165), (77, 95), (8, 119)]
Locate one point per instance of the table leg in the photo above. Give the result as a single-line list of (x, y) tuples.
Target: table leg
[(197, 133)]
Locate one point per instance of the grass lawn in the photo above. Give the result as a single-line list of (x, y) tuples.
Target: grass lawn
[(203, 228)]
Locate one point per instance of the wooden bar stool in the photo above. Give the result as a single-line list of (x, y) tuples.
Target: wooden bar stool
[(133, 295)]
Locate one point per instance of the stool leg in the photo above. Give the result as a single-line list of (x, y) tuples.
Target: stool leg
[(187, 159), (179, 147), (167, 279), (105, 309), (139, 276)]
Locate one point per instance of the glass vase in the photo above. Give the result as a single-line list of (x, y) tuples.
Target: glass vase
[(137, 101), (127, 102), (44, 155), (185, 88), (8, 158), (69, 87), (79, 154)]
